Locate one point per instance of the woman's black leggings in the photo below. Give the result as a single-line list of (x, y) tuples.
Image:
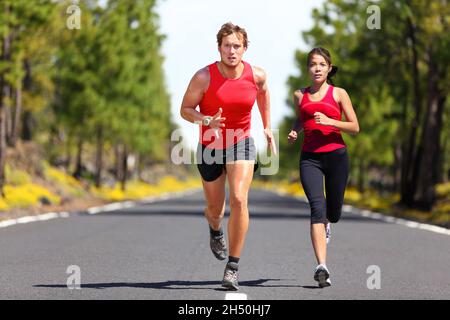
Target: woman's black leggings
[(334, 166)]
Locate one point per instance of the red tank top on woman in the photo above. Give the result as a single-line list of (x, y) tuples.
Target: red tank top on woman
[(320, 138), (236, 97)]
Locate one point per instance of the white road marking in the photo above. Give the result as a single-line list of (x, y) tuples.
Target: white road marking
[(94, 210), (379, 216), (236, 296), (26, 219)]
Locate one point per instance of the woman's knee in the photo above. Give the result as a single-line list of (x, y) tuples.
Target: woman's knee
[(334, 209), (318, 210), (334, 216)]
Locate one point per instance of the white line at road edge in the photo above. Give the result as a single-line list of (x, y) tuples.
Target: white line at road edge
[(95, 210), (128, 204), (28, 219), (236, 296), (381, 217)]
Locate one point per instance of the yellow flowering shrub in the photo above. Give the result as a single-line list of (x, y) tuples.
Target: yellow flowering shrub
[(352, 195), (61, 177), (139, 190), (3, 205), (27, 195), (68, 183), (16, 177), (443, 190)]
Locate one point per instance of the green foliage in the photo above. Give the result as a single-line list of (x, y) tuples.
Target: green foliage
[(375, 68), (110, 78)]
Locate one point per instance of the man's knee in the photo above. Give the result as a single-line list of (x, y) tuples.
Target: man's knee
[(238, 201), (215, 210)]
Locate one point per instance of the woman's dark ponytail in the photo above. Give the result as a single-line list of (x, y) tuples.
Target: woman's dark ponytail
[(332, 72)]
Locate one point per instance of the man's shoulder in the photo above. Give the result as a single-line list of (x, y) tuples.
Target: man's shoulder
[(258, 70), (202, 75), (259, 74), (203, 72)]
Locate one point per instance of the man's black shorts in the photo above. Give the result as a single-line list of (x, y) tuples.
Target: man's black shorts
[(211, 162)]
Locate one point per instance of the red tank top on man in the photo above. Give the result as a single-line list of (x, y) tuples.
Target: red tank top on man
[(236, 97)]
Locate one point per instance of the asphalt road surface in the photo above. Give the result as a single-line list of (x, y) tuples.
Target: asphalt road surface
[(161, 251)]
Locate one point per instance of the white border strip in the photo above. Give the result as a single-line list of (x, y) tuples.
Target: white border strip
[(129, 204), (28, 219), (382, 217), (94, 210), (236, 296)]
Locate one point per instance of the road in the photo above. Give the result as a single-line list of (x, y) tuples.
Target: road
[(161, 251)]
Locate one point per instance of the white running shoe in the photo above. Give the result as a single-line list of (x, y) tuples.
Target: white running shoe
[(322, 276), (328, 232)]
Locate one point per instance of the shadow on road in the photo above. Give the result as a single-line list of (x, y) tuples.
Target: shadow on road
[(176, 285)]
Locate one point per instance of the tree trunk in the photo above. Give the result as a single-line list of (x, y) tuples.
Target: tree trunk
[(8, 114), (409, 164), (17, 114), (2, 139), (117, 163), (79, 164), (3, 94), (98, 158), (442, 177), (27, 119), (430, 142), (124, 170), (27, 126), (138, 167), (68, 160), (2, 150)]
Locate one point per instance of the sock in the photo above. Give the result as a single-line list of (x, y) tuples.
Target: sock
[(233, 262), (214, 233)]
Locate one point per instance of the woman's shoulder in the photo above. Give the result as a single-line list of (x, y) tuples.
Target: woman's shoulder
[(339, 93), (299, 93), (298, 96), (339, 89)]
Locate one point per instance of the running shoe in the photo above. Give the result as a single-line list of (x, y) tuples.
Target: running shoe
[(218, 247), (230, 276), (322, 276), (328, 232)]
